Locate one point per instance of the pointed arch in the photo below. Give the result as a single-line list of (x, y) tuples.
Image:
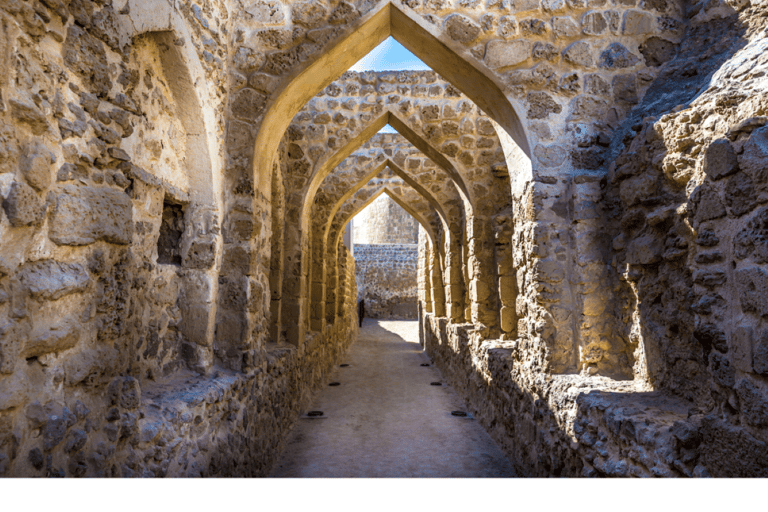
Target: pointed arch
[(387, 117), (469, 75)]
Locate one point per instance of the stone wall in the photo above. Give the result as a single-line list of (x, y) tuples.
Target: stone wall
[(687, 190), (112, 274), (174, 177), (385, 222), (564, 425), (386, 279), (684, 187)]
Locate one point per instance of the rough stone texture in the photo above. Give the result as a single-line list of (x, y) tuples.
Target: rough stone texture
[(386, 280), (385, 222), (591, 256), (83, 215)]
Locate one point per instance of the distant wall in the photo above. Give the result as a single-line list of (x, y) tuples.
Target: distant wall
[(386, 280), (385, 222)]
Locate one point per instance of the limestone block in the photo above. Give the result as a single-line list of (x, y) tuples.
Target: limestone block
[(593, 23), (84, 215), (461, 29), (500, 54), (760, 355), (580, 54), (36, 168), (637, 189), (26, 112), (708, 205), (587, 107), (636, 23), (617, 56), (51, 280), (656, 51), (541, 104), (751, 284), (722, 371), (248, 104), (625, 89), (265, 12), (89, 364), (564, 26), (309, 14), (754, 159), (55, 340), (236, 261), (508, 319), (508, 290), (479, 290), (720, 160), (22, 205), (740, 195), (753, 402), (550, 156), (644, 250), (196, 325)]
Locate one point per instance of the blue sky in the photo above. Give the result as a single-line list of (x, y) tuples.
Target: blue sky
[(389, 56)]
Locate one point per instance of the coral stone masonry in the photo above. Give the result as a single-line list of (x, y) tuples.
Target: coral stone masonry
[(574, 207)]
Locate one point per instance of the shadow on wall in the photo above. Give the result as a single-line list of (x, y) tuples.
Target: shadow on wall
[(689, 245)]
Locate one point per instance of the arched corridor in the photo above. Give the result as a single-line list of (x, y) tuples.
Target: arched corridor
[(588, 181), (384, 419)]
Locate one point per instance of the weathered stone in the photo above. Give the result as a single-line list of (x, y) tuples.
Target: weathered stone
[(125, 392), (75, 441), (55, 340), (740, 195), (501, 54), (36, 169), (741, 348), (541, 104), (759, 355), (720, 160), (564, 26), (51, 280), (550, 156), (754, 159), (580, 54), (84, 215), (722, 371), (26, 112), (657, 51), (750, 284), (22, 205), (85, 55), (309, 14), (710, 336), (636, 23), (593, 23), (754, 406), (588, 159), (616, 56), (644, 250), (707, 204), (265, 11), (625, 89), (544, 51), (461, 29)]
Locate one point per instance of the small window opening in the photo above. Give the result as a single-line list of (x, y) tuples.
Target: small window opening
[(171, 229)]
